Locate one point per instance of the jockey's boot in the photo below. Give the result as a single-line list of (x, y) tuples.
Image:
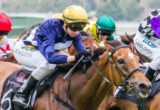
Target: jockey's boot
[(21, 97), (150, 73)]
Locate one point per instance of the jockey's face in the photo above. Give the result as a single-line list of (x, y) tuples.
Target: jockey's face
[(72, 33), (74, 29), (102, 35)]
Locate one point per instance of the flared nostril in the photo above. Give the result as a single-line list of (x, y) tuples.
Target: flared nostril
[(143, 86)]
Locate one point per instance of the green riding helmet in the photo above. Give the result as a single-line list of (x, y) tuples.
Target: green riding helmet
[(106, 23)]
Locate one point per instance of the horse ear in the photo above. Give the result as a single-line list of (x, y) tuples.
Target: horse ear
[(126, 34), (134, 34), (112, 44)]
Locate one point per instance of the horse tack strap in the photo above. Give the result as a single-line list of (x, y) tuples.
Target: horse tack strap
[(132, 72), (118, 47), (66, 104), (116, 66), (60, 100), (105, 78)]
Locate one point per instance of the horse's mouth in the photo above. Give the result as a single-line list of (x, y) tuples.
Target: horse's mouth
[(139, 93), (144, 94)]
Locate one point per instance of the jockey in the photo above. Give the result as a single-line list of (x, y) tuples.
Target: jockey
[(51, 37), (5, 28), (147, 41), (102, 29)]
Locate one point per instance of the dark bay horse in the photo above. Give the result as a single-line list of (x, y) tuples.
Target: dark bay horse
[(116, 66)]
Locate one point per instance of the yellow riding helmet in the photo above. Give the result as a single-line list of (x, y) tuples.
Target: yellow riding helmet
[(57, 16), (75, 14)]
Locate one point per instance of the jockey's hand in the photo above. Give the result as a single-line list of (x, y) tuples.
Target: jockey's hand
[(80, 54)]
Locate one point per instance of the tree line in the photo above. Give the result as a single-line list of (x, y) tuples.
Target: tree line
[(124, 10)]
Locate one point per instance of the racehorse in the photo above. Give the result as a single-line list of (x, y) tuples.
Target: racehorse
[(152, 103), (85, 91)]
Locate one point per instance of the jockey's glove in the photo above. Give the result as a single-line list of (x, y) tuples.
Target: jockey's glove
[(80, 54)]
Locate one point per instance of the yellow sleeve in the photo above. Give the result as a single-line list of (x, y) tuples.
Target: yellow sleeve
[(91, 30)]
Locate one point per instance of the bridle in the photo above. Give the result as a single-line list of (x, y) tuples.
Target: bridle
[(125, 84), (124, 77), (110, 55)]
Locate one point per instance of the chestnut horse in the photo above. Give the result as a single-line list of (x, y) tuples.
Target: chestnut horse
[(116, 66), (124, 104)]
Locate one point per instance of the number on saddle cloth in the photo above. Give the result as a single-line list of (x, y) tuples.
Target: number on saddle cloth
[(10, 87), (13, 83)]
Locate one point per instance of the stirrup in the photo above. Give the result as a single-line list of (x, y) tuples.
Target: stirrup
[(21, 101)]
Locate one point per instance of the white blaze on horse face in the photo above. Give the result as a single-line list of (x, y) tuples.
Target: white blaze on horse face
[(130, 55)]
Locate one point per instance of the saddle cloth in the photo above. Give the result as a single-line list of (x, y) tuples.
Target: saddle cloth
[(14, 82)]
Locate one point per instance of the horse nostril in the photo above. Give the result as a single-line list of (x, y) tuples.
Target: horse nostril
[(143, 86), (127, 82)]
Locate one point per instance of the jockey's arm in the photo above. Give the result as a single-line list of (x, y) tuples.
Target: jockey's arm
[(77, 42)]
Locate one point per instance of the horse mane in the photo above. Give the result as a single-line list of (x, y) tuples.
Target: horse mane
[(114, 43)]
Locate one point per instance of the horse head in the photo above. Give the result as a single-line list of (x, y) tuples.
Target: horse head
[(124, 69)]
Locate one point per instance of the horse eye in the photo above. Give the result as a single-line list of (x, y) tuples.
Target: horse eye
[(121, 61)]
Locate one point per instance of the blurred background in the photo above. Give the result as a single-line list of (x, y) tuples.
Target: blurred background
[(127, 13)]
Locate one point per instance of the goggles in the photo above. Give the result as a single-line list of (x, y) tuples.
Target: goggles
[(76, 27), (105, 32)]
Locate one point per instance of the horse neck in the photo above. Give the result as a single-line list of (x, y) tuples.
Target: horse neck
[(95, 88)]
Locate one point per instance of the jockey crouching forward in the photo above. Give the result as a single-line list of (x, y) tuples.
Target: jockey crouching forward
[(5, 28), (102, 29), (147, 41), (52, 36)]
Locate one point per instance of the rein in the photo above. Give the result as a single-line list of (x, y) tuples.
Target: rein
[(110, 54)]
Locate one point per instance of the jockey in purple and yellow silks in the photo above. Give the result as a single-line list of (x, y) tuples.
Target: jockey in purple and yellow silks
[(50, 38), (102, 29)]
